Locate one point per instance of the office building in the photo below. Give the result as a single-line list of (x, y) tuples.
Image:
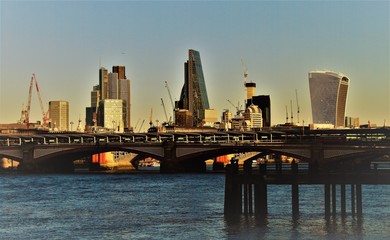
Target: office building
[(264, 103), (328, 94), (193, 96), (120, 70), (59, 115), (103, 83), (111, 114), (253, 118)]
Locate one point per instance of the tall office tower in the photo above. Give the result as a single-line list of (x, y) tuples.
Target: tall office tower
[(328, 93), (264, 103), (124, 94), (193, 95), (113, 84), (121, 70), (59, 115), (120, 89), (103, 83)]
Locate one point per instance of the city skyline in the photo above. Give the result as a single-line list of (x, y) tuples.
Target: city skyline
[(65, 43)]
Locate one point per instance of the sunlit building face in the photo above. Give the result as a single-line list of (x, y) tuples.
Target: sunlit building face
[(328, 93)]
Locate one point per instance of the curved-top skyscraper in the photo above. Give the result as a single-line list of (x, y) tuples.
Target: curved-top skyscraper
[(328, 93)]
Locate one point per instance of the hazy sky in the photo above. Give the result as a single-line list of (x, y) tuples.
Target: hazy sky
[(65, 42)]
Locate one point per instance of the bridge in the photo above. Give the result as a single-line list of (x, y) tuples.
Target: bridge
[(187, 152)]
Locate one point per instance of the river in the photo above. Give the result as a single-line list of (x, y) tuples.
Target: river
[(170, 206)]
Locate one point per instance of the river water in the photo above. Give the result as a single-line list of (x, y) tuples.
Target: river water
[(170, 206)]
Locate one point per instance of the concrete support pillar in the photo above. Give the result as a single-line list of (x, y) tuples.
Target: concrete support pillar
[(327, 199), (334, 200), (359, 203), (342, 199), (261, 204), (233, 204), (294, 191), (353, 199)]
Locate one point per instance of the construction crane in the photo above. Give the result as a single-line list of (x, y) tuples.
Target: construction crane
[(151, 118), (165, 111), (142, 124), (245, 71), (95, 114), (44, 113), (170, 96), (237, 107), (296, 95), (136, 125)]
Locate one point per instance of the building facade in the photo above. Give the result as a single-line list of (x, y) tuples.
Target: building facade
[(328, 94), (111, 112), (264, 103), (59, 115), (253, 118), (193, 96)]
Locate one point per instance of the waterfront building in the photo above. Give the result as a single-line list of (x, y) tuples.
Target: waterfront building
[(328, 94), (59, 115), (193, 95)]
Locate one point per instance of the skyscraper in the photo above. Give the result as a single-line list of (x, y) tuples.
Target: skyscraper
[(121, 70), (59, 115), (103, 83), (328, 93), (193, 95)]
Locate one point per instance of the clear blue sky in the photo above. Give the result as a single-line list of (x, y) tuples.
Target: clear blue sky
[(63, 43)]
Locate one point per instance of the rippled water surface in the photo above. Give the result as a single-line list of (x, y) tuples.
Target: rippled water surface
[(170, 206)]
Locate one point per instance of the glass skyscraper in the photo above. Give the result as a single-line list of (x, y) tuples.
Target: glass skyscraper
[(328, 93), (193, 95)]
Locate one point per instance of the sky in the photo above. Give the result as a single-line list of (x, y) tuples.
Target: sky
[(65, 42)]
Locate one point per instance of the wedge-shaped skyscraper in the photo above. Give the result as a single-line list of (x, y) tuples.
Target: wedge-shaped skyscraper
[(193, 95), (328, 93)]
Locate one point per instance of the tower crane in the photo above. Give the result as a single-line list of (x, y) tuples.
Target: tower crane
[(170, 96), (44, 113), (142, 124), (165, 111), (296, 95), (95, 114), (245, 71), (237, 107), (151, 118), (136, 125)]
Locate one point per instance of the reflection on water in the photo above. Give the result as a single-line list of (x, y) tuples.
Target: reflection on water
[(171, 206)]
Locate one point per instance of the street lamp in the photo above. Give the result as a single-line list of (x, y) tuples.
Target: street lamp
[(71, 126)]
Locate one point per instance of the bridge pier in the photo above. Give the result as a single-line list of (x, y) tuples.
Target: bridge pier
[(246, 192)]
